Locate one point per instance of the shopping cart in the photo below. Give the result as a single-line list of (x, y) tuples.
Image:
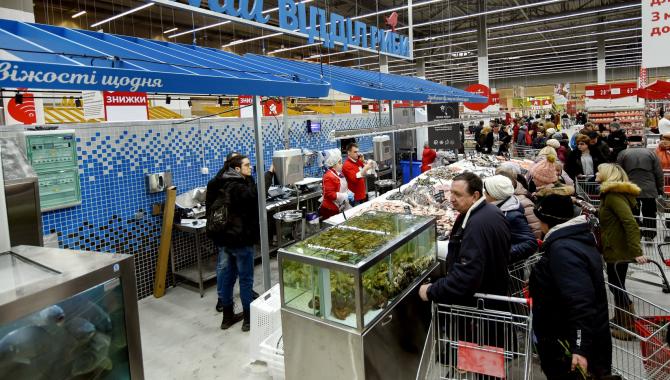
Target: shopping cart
[(666, 182), (646, 356), (588, 190), (518, 275), (475, 342), (524, 152)]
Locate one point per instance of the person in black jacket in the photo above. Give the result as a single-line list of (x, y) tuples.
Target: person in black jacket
[(499, 190), (570, 316), (616, 140), (479, 246), (584, 160), (236, 244), (497, 142), (598, 143)]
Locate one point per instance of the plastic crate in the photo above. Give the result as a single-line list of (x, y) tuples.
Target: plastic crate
[(265, 319), (272, 353)]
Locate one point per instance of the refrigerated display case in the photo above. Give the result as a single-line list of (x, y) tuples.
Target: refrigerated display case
[(350, 306), (68, 315)]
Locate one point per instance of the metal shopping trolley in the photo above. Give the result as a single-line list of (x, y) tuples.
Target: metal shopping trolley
[(480, 342), (646, 356), (589, 190), (519, 274), (524, 152)]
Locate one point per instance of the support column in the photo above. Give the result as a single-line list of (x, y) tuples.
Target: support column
[(384, 68), (482, 47), (383, 64), (420, 68), (601, 65), (4, 224), (260, 188), (285, 127)]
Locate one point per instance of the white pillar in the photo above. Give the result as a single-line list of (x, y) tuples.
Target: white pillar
[(482, 47), (602, 76), (4, 224), (260, 188)]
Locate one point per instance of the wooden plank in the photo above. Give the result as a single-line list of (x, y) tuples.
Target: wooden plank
[(166, 239)]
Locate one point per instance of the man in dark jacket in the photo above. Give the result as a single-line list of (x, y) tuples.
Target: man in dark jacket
[(479, 246), (570, 317), (497, 141), (236, 243), (598, 143), (616, 140), (644, 170)]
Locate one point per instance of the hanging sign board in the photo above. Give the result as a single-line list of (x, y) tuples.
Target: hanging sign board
[(125, 106), (300, 19), (245, 102), (611, 91), (94, 107), (355, 105), (483, 90), (442, 111), (29, 111), (272, 107), (655, 33), (445, 137)]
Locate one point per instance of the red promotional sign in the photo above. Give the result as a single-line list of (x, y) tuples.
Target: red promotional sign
[(572, 107), (245, 100), (478, 89), (122, 98), (611, 91), (494, 99), (272, 107), (355, 100), (25, 112)]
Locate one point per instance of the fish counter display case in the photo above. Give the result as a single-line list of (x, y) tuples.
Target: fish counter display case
[(68, 315), (350, 304)]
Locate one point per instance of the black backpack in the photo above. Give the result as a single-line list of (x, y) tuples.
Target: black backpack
[(217, 217)]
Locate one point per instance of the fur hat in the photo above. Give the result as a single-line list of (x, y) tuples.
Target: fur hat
[(553, 143), (554, 209), (544, 172), (499, 187)]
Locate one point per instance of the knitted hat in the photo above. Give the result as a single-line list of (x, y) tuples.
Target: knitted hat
[(544, 172), (551, 131), (554, 209), (553, 143), (332, 157), (557, 136), (499, 187)]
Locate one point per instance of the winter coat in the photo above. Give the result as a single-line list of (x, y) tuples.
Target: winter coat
[(243, 226), (523, 242), (528, 206), (521, 137), (619, 231), (644, 170), (573, 165), (602, 148), (569, 301), (479, 246), (503, 137), (618, 142), (539, 142)]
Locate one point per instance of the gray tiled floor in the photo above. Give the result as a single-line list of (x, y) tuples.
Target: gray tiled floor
[(181, 338)]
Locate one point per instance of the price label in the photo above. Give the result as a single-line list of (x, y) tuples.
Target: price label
[(439, 197)]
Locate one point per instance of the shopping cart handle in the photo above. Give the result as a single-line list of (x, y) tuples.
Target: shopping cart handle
[(665, 286), (495, 297)]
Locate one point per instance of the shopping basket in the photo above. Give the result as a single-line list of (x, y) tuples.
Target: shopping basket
[(473, 342), (647, 355), (588, 190)]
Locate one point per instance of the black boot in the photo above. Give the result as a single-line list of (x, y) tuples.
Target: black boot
[(219, 305), (229, 317), (246, 325)]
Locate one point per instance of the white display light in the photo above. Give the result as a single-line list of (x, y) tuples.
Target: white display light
[(143, 6), (80, 13)]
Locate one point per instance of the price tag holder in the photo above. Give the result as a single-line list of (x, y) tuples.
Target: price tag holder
[(439, 197)]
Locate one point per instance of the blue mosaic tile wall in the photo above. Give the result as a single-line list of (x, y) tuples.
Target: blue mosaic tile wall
[(113, 159)]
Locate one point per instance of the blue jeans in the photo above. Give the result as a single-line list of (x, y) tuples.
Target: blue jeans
[(234, 263)]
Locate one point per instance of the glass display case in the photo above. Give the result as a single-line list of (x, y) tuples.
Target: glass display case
[(68, 315), (349, 274)]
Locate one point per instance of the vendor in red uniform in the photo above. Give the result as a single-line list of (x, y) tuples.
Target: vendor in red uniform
[(336, 196), (428, 157), (355, 170)]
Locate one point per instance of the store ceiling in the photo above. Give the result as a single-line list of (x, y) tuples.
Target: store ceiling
[(525, 38)]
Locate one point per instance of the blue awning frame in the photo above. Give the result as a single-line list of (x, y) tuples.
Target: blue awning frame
[(39, 56), (371, 84)]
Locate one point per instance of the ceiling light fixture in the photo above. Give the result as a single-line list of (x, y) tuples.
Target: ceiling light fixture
[(80, 13), (293, 48), (170, 30), (143, 6)]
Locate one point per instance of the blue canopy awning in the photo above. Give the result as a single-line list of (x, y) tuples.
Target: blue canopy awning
[(40, 56), (372, 84)]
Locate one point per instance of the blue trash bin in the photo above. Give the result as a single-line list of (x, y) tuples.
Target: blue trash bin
[(416, 170)]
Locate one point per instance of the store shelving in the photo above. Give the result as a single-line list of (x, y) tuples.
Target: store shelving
[(631, 120)]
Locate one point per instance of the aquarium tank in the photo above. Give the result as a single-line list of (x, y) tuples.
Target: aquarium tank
[(380, 253), (81, 337)]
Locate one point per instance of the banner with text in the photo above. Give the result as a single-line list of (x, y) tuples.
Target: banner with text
[(655, 33), (125, 106)]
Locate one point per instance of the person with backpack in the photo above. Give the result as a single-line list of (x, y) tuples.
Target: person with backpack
[(232, 224), (567, 285), (620, 236)]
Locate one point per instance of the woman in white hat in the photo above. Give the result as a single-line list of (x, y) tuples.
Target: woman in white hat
[(336, 196)]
